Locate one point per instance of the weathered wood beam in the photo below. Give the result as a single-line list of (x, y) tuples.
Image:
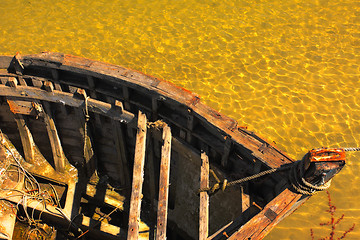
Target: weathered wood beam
[(276, 210), (137, 182), (25, 92), (56, 147), (26, 139), (164, 185), (204, 196)]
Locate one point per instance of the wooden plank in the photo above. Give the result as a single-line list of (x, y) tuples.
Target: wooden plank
[(137, 182), (164, 185), (204, 196), (26, 139), (56, 147), (273, 212), (24, 92)]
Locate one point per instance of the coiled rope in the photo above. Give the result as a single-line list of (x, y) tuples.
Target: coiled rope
[(300, 185)]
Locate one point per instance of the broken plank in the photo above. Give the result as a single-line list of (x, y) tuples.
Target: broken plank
[(204, 196), (164, 185), (137, 182)]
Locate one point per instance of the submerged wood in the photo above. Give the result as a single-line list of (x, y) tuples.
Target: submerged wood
[(45, 97)]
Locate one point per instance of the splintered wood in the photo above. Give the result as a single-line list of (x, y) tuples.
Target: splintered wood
[(204, 196), (164, 185), (138, 173)]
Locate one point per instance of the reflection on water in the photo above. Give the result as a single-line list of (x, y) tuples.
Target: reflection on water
[(287, 69)]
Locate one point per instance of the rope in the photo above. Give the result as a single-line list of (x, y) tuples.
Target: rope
[(297, 181), (351, 149), (300, 185), (225, 183)]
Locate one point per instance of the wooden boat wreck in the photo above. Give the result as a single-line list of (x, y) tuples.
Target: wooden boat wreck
[(91, 150)]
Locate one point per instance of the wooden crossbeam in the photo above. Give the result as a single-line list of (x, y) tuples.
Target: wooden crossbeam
[(25, 92), (56, 147), (204, 196), (137, 182), (164, 185)]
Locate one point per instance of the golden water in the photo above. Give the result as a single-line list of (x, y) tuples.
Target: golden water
[(287, 69)]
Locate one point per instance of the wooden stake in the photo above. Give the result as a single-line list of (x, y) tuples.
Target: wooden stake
[(164, 185), (138, 173), (204, 196)]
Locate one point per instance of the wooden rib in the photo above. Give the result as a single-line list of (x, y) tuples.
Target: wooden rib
[(56, 147), (90, 158), (150, 172), (138, 172), (24, 92), (154, 107), (119, 140), (227, 149), (26, 138), (126, 98), (204, 196), (121, 152), (190, 127), (164, 185)]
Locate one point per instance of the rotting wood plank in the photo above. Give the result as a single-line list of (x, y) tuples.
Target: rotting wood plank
[(137, 182), (26, 138), (204, 196), (164, 185), (23, 92), (56, 147)]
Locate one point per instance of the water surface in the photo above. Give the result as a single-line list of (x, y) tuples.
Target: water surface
[(288, 70)]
